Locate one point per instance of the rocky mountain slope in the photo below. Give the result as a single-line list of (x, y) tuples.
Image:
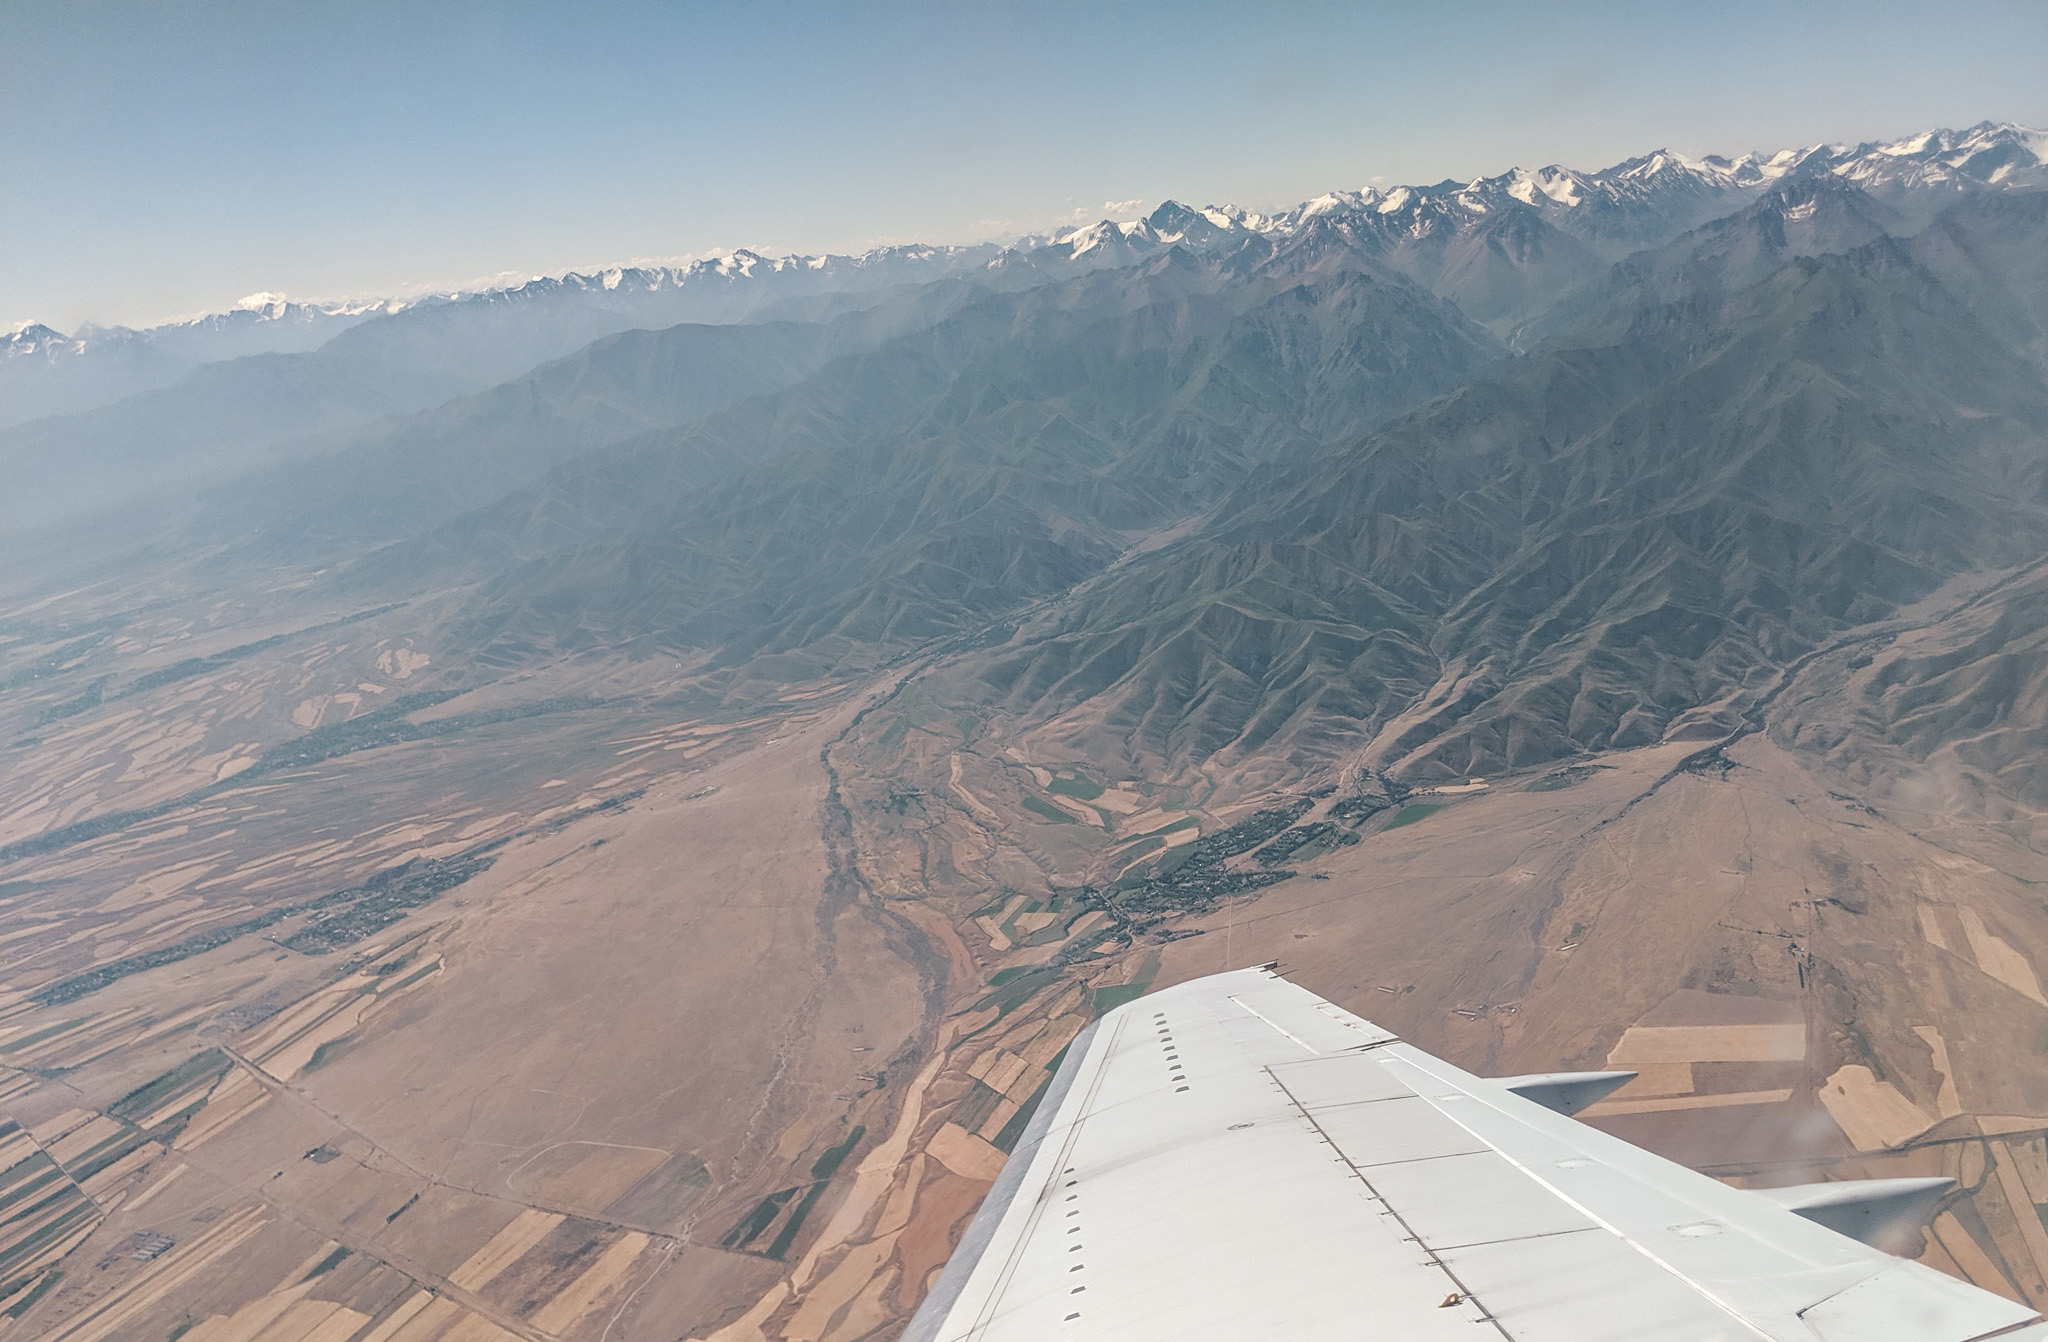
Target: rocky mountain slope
[(1589, 545)]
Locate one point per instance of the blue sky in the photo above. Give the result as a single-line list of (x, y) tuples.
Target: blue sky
[(161, 159)]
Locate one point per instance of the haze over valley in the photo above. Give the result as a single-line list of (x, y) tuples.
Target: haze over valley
[(591, 809)]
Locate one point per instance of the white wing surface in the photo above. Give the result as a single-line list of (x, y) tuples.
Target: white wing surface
[(1235, 1158)]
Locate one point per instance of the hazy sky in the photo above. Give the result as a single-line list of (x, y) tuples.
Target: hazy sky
[(161, 159)]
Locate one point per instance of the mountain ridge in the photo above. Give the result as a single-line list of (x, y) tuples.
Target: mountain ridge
[(2001, 154)]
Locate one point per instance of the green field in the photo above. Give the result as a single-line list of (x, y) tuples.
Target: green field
[(1047, 810)]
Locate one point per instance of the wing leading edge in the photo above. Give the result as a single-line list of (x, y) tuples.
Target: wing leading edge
[(1236, 1158)]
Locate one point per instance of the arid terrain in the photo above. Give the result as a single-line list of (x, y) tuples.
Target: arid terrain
[(592, 811), (600, 1019)]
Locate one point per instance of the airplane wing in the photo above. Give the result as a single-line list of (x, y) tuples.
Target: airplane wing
[(1235, 1158)]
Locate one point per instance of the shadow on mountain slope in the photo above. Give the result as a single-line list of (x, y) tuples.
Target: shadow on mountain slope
[(1584, 548), (912, 491)]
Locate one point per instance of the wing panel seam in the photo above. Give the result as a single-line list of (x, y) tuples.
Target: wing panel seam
[(1281, 1029), (1604, 1223), (1517, 1239), (1434, 1257)]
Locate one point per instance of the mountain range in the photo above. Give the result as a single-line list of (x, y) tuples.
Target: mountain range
[(593, 809), (1612, 212), (1435, 479)]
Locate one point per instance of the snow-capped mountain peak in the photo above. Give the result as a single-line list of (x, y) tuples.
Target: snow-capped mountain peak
[(1994, 154), (33, 338), (1638, 202), (264, 304), (1561, 186)]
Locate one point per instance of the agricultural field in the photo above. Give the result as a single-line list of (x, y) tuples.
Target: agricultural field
[(578, 1007), (285, 1050)]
